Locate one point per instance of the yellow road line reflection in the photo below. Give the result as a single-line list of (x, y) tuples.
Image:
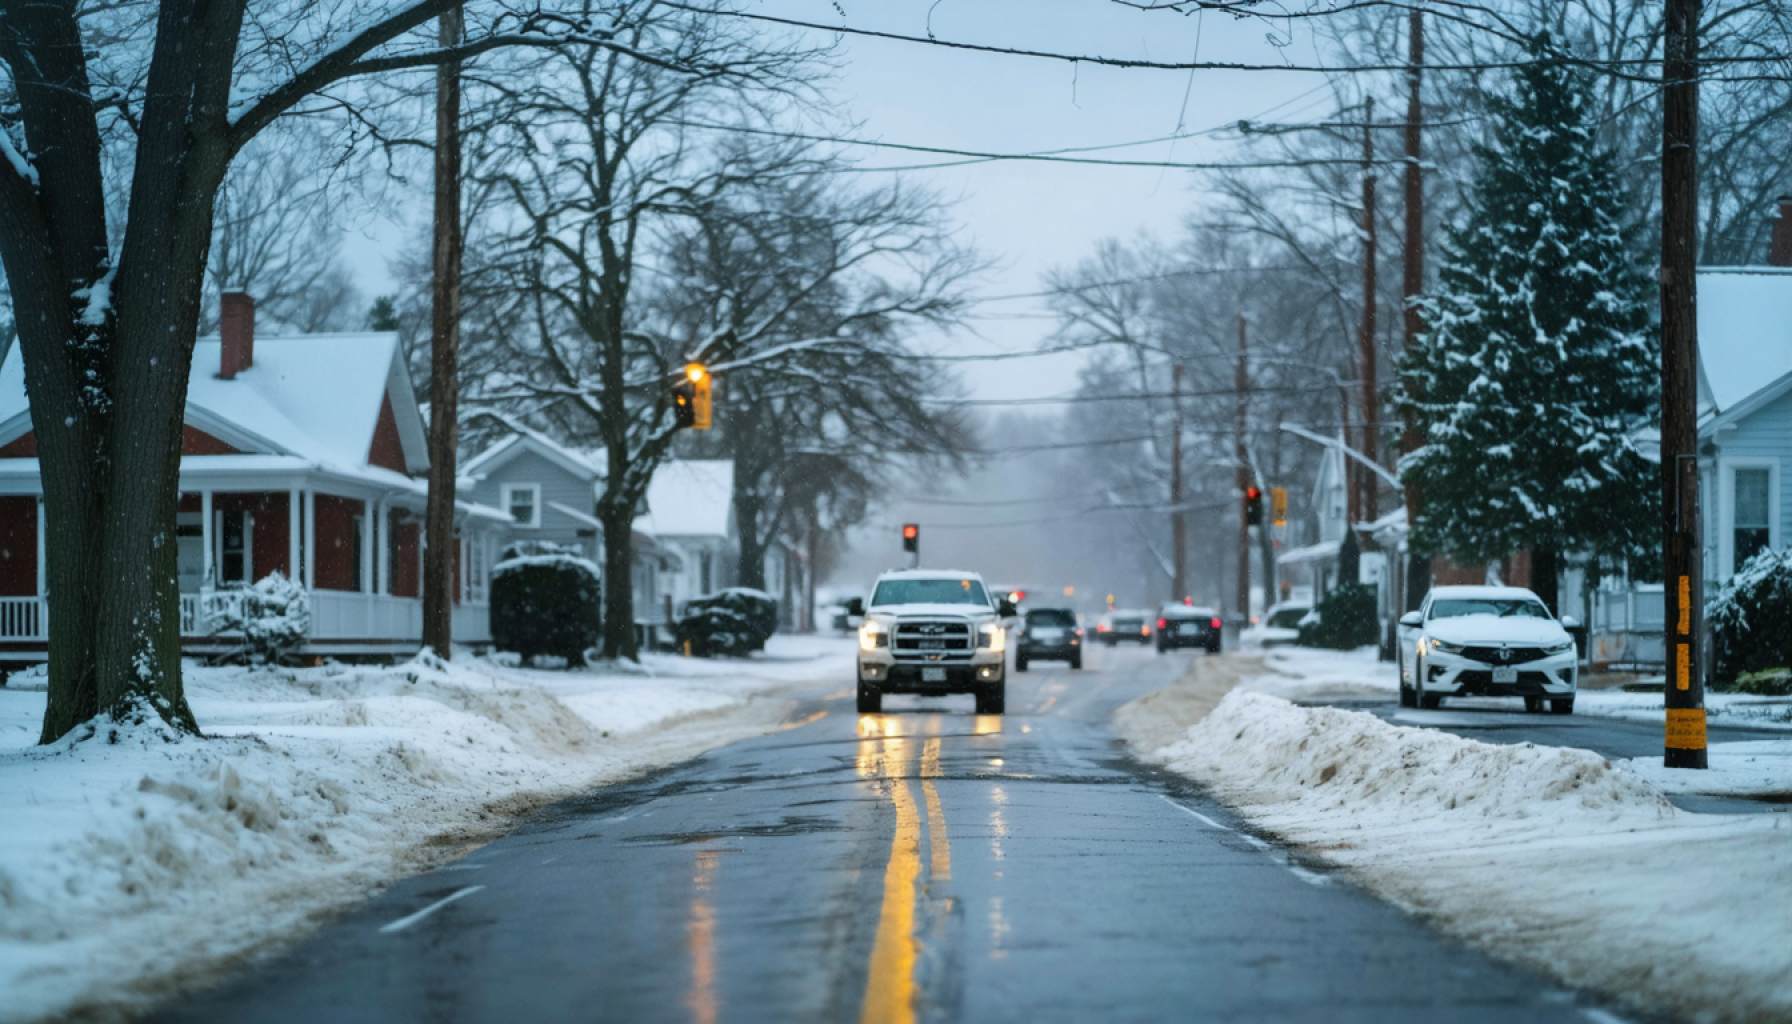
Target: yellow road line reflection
[(700, 932), (890, 980), (939, 846)]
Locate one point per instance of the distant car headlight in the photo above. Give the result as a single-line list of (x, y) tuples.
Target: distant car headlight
[(1443, 646), (1561, 648), (873, 635), (991, 636)]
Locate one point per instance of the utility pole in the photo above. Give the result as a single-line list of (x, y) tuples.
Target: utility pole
[(1366, 343), (1682, 572), (1418, 566), (1178, 540), (1241, 384), (444, 351)]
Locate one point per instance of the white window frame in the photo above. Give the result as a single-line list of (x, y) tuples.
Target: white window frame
[(534, 491), (1726, 507)]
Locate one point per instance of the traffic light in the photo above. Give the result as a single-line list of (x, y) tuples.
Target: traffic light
[(911, 538), (690, 398), (700, 379), (1253, 505), (1278, 506)]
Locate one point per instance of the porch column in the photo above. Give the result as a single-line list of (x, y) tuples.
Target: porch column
[(310, 538), (206, 579), (292, 535), (367, 586), (42, 562), (382, 542)]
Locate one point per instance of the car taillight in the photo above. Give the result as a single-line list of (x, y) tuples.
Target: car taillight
[(1162, 623), (1101, 629), (1079, 631), (1144, 630), (1215, 622)]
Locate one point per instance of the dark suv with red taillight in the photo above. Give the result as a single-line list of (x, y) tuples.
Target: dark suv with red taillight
[(1184, 625)]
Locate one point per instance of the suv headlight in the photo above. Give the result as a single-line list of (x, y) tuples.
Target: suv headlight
[(873, 635), (1561, 648), (1443, 647), (992, 636)]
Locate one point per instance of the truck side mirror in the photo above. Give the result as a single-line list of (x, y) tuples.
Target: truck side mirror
[(855, 607), (1005, 608)]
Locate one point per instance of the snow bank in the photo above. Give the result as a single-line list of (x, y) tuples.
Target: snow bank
[(1552, 856), (132, 857)]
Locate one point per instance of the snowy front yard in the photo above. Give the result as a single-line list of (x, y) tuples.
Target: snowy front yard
[(129, 858), (1552, 856)]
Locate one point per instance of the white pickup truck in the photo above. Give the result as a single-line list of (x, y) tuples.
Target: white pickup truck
[(933, 632)]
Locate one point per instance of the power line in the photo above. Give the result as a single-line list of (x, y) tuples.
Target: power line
[(1132, 397), (1139, 63), (1044, 157)]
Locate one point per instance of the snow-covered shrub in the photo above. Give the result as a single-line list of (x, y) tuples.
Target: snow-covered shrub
[(545, 603), (1344, 620), (733, 623), (1751, 620), (273, 616)]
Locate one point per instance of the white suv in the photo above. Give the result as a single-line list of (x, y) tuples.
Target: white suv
[(1486, 642), (933, 632)]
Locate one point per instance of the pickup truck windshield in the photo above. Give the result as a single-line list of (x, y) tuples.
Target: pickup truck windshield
[(940, 591)]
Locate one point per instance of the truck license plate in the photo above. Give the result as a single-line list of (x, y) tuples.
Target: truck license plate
[(1505, 675), (933, 675)]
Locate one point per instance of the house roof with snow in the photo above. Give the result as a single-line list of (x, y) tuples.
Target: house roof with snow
[(1745, 339), (583, 464), (319, 397), (690, 498)]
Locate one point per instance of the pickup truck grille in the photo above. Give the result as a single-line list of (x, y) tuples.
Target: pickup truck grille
[(926, 640)]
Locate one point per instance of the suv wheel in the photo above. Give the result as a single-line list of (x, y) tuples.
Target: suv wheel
[(871, 702), (1020, 663), (1562, 707), (1076, 660), (991, 699)]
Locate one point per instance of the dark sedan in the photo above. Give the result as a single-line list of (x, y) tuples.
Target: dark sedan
[(1182, 625)]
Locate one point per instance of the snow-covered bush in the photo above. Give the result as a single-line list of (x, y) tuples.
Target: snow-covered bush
[(272, 616), (1344, 620), (1751, 621), (545, 603), (733, 623)]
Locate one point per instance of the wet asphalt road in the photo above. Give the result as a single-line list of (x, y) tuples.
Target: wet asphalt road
[(926, 863)]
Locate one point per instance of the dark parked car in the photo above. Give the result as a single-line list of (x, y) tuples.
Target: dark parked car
[(1052, 634), (1133, 627), (1183, 625)]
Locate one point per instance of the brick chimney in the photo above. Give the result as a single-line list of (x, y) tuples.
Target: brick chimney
[(1779, 254), (236, 331)]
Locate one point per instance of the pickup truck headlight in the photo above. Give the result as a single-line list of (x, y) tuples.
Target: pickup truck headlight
[(1561, 648), (1443, 647), (873, 635), (991, 636)]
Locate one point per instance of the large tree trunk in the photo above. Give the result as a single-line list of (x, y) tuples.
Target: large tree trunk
[(444, 355), (750, 566), (619, 583)]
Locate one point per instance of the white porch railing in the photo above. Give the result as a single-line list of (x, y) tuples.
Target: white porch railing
[(1628, 625), (335, 615), (23, 618)]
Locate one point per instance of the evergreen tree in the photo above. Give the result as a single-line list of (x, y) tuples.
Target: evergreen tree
[(1537, 360)]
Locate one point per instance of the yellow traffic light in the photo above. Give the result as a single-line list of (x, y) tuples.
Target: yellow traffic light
[(1278, 505), (702, 411)]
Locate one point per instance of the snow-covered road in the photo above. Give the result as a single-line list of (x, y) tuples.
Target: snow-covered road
[(132, 857)]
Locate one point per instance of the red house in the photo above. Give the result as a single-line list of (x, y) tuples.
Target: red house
[(303, 455)]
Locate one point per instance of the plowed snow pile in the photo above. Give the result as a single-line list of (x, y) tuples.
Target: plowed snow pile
[(1548, 855), (130, 855)]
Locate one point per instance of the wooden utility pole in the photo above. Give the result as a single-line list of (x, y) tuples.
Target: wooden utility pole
[(1241, 380), (1366, 341), (444, 351), (1683, 575), (1412, 285), (1178, 533)]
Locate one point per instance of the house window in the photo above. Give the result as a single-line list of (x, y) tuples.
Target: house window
[(523, 502), (1751, 523), (234, 532)]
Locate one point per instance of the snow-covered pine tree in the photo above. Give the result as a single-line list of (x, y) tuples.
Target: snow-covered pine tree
[(1537, 360)]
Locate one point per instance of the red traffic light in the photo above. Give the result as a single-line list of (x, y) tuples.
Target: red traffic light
[(910, 531), (1254, 493)]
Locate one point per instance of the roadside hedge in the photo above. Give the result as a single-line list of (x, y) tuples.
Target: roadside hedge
[(732, 623), (1344, 620), (545, 602), (1751, 624)]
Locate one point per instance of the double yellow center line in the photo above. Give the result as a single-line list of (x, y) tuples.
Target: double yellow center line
[(890, 989)]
